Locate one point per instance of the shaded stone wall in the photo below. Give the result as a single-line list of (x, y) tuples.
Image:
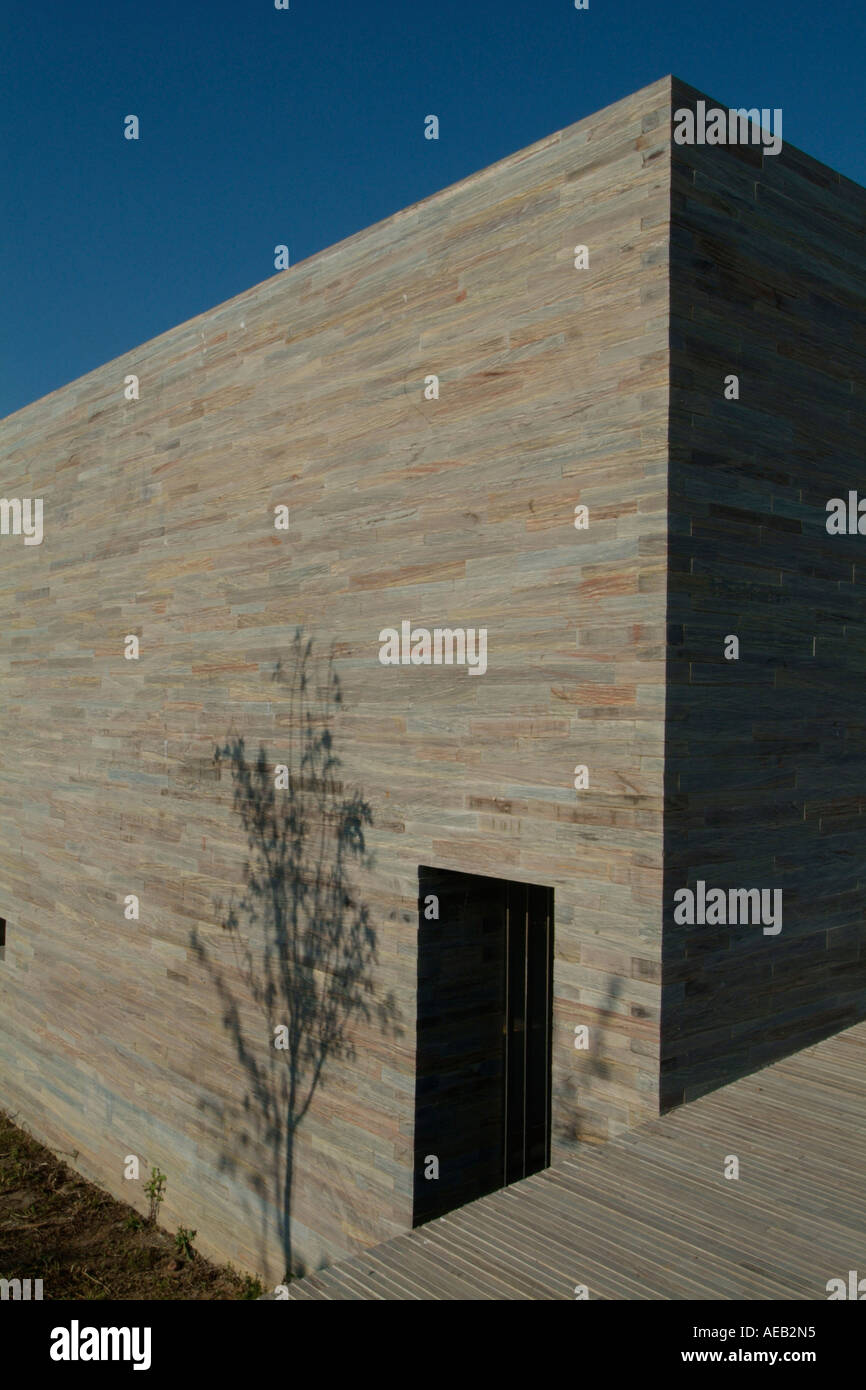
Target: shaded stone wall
[(765, 755)]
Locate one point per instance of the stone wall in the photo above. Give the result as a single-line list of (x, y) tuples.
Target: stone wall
[(765, 755), (154, 1037)]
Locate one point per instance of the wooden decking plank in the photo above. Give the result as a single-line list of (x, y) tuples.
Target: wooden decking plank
[(475, 1263), (386, 1268), (609, 1279), (764, 1180), (370, 1283), (310, 1282), (773, 1111), (481, 1241), (441, 1279), (440, 1238), (705, 1214), (619, 1211), (336, 1283), (648, 1215), (475, 1246), (553, 1226), (402, 1273), (763, 1151), (655, 1259)]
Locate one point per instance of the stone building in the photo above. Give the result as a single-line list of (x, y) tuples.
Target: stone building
[(312, 920)]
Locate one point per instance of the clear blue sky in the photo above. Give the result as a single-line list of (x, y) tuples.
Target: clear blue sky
[(261, 127)]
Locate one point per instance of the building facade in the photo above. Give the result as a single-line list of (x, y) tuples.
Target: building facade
[(314, 921)]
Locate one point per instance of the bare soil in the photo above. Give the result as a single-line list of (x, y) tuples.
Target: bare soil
[(82, 1243)]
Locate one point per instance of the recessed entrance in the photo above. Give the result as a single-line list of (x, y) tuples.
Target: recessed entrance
[(482, 1089)]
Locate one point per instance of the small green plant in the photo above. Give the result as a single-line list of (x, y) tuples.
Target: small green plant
[(252, 1287), (183, 1242), (155, 1190), (133, 1223)]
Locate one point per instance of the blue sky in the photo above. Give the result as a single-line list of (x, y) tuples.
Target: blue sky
[(261, 127)]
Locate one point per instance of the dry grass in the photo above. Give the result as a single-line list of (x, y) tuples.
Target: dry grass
[(81, 1243)]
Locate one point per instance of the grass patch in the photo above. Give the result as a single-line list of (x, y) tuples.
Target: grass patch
[(82, 1243)]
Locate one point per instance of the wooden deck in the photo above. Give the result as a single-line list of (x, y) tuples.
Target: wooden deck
[(651, 1216)]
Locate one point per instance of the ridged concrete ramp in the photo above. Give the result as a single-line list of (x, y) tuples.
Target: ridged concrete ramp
[(651, 1216)]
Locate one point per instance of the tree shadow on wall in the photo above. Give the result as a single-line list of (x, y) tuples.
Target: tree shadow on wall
[(569, 1127), (309, 969)]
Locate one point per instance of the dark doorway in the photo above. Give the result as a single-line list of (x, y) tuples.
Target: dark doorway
[(482, 1088)]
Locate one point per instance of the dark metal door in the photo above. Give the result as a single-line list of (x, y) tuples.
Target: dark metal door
[(482, 1094), (529, 963)]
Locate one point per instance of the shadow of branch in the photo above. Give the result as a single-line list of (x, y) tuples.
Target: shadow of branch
[(303, 942)]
